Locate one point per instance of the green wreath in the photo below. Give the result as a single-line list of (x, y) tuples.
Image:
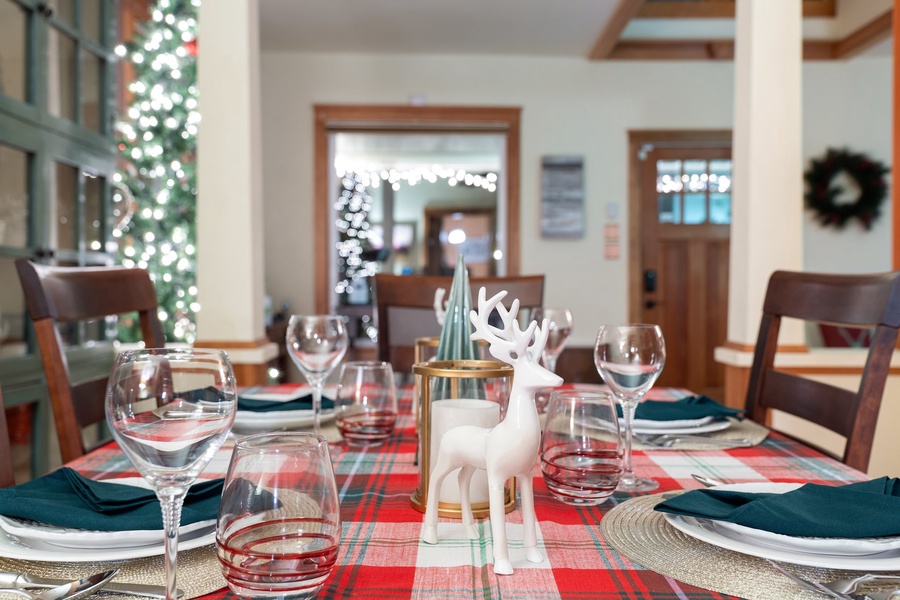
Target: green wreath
[(869, 176)]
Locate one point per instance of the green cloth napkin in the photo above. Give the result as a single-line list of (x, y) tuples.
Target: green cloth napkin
[(68, 499), (857, 510), (693, 407), (302, 403)]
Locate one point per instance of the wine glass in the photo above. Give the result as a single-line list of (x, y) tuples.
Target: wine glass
[(170, 410), (279, 526), (559, 326), (630, 358), (365, 407), (316, 343)]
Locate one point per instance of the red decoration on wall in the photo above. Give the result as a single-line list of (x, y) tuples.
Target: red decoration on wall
[(191, 47)]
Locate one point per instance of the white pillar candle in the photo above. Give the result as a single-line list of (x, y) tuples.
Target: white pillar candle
[(447, 414)]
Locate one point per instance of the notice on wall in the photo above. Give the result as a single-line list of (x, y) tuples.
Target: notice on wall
[(562, 196)]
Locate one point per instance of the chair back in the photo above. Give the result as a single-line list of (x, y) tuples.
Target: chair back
[(55, 295), (845, 300), (7, 476), (404, 308)]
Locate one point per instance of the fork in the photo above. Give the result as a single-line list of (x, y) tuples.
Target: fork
[(667, 440), (849, 585), (808, 584)]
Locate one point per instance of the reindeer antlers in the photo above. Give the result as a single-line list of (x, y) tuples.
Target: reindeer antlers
[(511, 340)]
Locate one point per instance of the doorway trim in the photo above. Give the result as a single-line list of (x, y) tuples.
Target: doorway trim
[(346, 118), (659, 138)]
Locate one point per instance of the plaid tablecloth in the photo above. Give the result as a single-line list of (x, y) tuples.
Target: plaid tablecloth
[(382, 556)]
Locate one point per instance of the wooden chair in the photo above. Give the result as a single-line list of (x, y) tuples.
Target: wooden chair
[(404, 308), (7, 476), (849, 300), (56, 295)]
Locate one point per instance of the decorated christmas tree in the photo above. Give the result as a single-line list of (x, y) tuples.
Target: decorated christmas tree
[(157, 138)]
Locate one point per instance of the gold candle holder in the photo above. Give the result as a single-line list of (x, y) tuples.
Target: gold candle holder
[(425, 349), (453, 380)]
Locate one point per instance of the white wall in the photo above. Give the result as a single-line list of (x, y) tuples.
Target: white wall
[(569, 106)]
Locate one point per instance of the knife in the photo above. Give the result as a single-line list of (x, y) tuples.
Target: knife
[(24, 580), (807, 584)]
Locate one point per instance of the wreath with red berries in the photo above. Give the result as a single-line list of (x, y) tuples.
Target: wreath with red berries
[(822, 195)]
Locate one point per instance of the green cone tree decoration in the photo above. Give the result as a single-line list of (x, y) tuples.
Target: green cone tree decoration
[(456, 341)]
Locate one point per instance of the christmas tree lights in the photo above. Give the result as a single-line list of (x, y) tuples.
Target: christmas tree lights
[(157, 144)]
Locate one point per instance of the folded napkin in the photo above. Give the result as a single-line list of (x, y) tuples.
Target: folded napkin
[(693, 407), (302, 403), (68, 499), (857, 510)]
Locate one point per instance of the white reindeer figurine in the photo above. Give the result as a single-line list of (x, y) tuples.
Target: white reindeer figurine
[(507, 450)]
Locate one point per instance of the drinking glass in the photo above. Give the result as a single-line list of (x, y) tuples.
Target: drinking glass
[(279, 526), (366, 405), (316, 343), (170, 410), (559, 327), (581, 449), (630, 358)]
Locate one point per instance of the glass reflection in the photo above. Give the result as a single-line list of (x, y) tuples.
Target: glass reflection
[(13, 51)]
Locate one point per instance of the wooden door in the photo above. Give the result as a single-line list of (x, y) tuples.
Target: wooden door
[(683, 267)]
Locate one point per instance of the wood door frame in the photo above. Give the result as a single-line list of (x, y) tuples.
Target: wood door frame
[(637, 139), (333, 118)]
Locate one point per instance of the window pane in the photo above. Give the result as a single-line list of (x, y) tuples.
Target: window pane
[(61, 75), (93, 214), (90, 19), (669, 208), (694, 209), (695, 177), (14, 170), (63, 231), (13, 50), (720, 175), (91, 78), (64, 10), (720, 208), (12, 311)]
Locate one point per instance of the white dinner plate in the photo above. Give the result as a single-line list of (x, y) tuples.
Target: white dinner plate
[(245, 420), (705, 428), (832, 553)]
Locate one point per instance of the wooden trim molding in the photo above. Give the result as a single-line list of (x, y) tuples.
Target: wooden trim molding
[(609, 37), (232, 345), (333, 118), (719, 9)]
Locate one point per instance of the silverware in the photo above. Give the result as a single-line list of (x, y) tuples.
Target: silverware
[(885, 595), (849, 585), (24, 580), (667, 440), (807, 584), (708, 481), (69, 590)]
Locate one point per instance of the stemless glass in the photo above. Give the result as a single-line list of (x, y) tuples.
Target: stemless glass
[(170, 410), (316, 343), (365, 408), (559, 327), (279, 526), (581, 449), (630, 358)]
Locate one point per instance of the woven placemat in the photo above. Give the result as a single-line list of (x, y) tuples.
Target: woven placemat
[(643, 535), (198, 570), (739, 430)]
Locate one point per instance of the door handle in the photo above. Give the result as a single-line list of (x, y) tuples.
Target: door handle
[(649, 280), (650, 304)]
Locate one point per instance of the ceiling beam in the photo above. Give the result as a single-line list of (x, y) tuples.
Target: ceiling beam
[(606, 42), (719, 9)]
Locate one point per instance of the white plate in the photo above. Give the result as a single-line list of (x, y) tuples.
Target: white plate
[(277, 419), (725, 535), (680, 423), (707, 428), (69, 537)]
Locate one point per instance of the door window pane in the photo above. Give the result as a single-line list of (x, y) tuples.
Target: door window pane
[(63, 226), (14, 171), (13, 50), (91, 92), (720, 208), (91, 19), (61, 75), (695, 177), (668, 184), (93, 214), (669, 208), (720, 175), (694, 209), (12, 311)]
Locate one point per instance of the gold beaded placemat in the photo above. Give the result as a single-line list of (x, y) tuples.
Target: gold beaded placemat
[(643, 535), (198, 570), (739, 430)]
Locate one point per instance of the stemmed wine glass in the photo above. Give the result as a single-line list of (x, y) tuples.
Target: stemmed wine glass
[(170, 410), (316, 343), (630, 358), (559, 325)]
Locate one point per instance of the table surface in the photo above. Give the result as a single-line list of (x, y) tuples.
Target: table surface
[(382, 555)]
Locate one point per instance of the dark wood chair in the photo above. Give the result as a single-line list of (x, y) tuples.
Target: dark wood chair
[(404, 308), (55, 295), (847, 300), (7, 475)]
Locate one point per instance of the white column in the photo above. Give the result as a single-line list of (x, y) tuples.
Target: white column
[(767, 226), (229, 182)]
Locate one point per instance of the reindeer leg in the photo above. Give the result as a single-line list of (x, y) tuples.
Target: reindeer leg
[(526, 489), (465, 500), (502, 566), (441, 470)]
